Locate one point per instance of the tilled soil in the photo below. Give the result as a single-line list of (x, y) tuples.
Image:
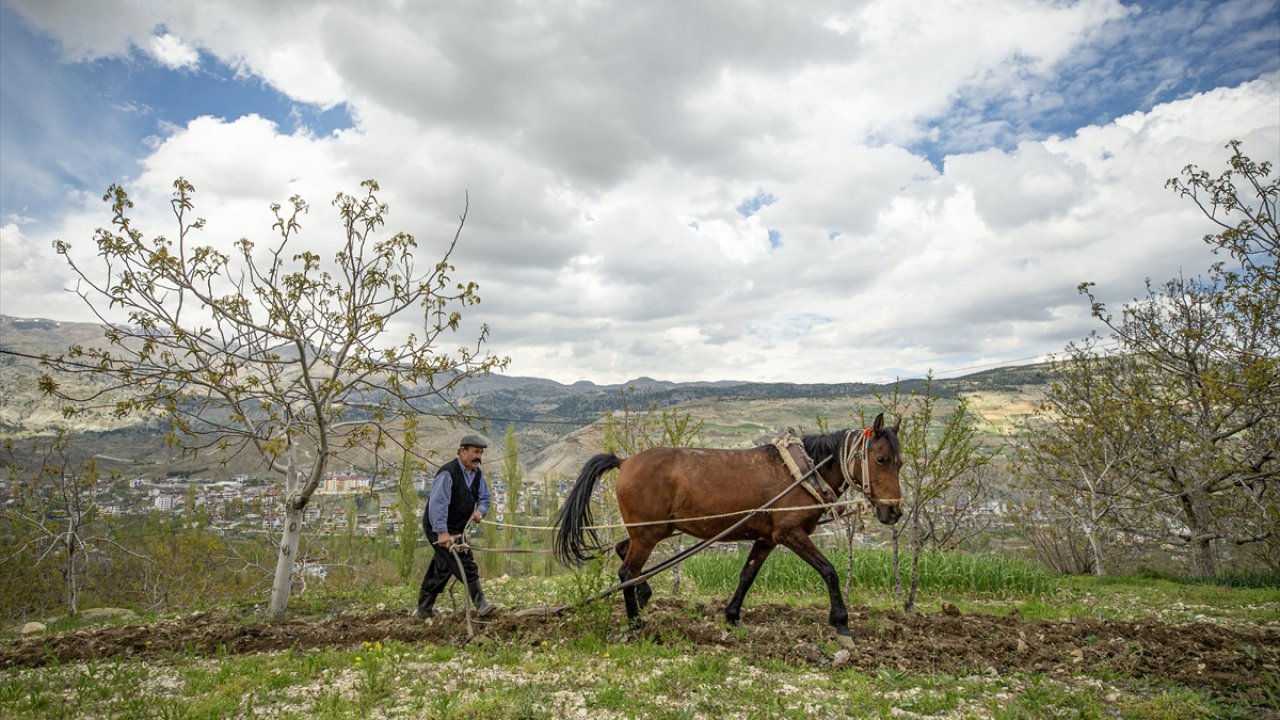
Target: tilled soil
[(1233, 659)]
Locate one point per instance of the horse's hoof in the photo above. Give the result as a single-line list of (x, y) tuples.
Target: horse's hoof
[(846, 641)]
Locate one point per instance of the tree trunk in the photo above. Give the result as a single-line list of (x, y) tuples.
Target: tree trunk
[(1095, 547), (297, 493), (407, 528), (1204, 557), (282, 585), (72, 581), (916, 548), (897, 563)]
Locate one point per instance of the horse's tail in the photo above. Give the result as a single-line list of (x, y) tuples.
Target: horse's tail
[(575, 516)]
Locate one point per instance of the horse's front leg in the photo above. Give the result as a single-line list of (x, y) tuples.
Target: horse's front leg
[(759, 551), (799, 542)]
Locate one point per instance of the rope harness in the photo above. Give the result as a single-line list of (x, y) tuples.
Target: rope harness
[(791, 448), (735, 513)]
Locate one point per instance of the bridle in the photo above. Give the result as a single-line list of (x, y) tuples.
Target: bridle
[(850, 449)]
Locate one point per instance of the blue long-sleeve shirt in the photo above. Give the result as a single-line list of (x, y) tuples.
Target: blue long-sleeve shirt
[(442, 493)]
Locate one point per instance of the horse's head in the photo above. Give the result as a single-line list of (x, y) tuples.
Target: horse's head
[(880, 467)]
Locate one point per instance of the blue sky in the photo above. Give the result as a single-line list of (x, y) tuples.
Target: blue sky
[(1163, 52), (668, 191), (85, 124)]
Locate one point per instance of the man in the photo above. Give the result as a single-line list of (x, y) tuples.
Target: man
[(458, 494)]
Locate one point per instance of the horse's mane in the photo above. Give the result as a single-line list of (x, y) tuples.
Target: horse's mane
[(821, 447)]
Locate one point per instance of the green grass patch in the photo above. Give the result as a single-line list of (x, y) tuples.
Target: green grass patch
[(872, 571), (1119, 598), (612, 673), (624, 679)]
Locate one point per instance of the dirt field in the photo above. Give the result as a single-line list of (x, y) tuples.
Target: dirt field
[(1229, 659)]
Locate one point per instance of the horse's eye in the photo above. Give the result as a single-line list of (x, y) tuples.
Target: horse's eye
[(881, 459)]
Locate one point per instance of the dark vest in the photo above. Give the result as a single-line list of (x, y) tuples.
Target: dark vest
[(462, 500)]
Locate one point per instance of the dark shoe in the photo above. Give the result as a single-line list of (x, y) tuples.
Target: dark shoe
[(425, 614), (480, 605)]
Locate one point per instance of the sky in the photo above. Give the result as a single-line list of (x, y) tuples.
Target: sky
[(701, 190)]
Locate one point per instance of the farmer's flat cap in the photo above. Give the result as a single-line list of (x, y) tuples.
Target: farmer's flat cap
[(473, 441)]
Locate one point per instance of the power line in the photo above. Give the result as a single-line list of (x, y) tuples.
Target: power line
[(1012, 362)]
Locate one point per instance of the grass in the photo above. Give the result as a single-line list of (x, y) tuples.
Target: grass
[(980, 583), (590, 673), (640, 680), (873, 571), (563, 682), (1121, 598)]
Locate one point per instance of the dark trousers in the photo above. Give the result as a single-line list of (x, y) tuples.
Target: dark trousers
[(442, 567)]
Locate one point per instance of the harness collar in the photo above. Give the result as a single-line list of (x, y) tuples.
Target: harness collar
[(791, 448)]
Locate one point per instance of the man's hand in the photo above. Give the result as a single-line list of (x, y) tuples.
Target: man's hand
[(476, 516), (444, 540)]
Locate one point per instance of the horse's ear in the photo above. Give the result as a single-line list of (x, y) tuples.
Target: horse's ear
[(897, 425), (877, 427)]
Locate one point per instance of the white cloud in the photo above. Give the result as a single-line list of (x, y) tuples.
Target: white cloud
[(605, 149), (172, 52), (1028, 185), (33, 278)]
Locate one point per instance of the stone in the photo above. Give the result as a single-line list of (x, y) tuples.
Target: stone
[(104, 613)]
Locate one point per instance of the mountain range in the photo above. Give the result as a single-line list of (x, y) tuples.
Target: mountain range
[(557, 425)]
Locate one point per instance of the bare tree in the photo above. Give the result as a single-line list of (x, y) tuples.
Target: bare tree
[(407, 526), (271, 349), (1083, 460), (1206, 448), (941, 475), (1206, 353), (513, 477), (57, 517)]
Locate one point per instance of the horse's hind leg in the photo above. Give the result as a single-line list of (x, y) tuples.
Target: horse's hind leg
[(800, 543), (759, 551), (637, 553), (643, 591)]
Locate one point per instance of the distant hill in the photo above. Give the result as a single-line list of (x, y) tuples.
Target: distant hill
[(23, 409), (556, 424)]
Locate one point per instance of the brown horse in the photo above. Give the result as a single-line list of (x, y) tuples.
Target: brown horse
[(701, 492)]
